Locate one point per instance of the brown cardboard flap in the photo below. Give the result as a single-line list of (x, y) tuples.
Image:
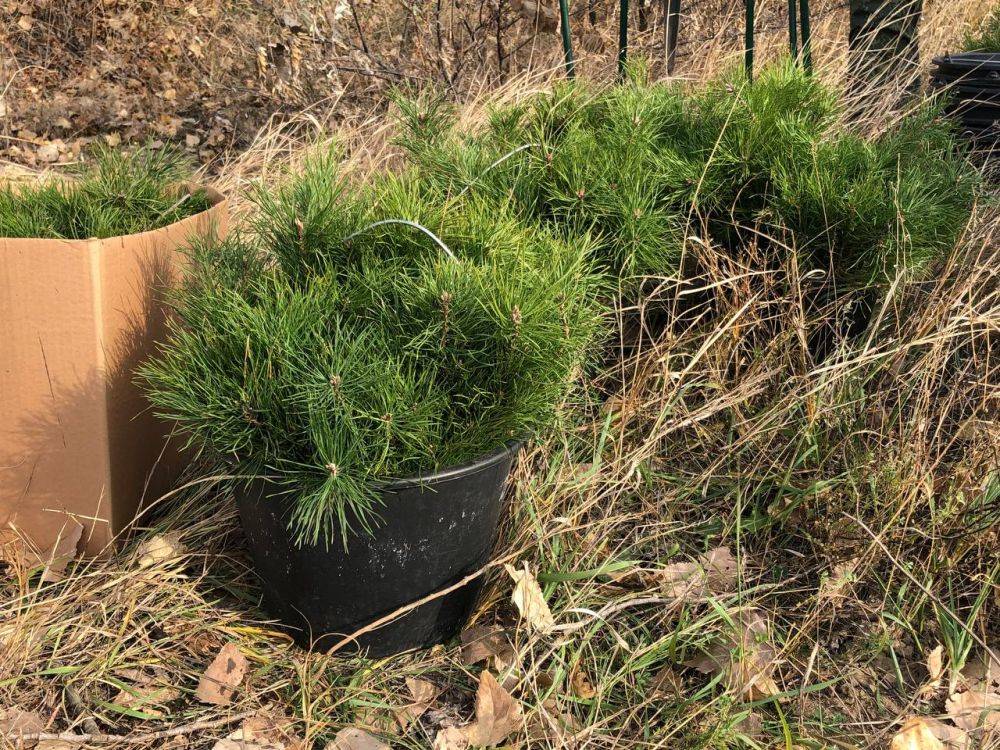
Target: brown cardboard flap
[(76, 318)]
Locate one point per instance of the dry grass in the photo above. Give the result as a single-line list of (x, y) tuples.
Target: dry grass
[(860, 495)]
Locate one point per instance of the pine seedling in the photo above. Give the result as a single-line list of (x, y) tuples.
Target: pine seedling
[(632, 165), (362, 334), (118, 194)]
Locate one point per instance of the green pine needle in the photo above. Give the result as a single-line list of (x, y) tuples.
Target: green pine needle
[(120, 193)]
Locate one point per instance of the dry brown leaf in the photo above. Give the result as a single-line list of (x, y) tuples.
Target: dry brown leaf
[(14, 722), (451, 738), (722, 568), (528, 599), (715, 572), (355, 739), (497, 713), (160, 548), (745, 658), (219, 682), (834, 587), (974, 708), (483, 643), (263, 731), (48, 152), (935, 663), (63, 550), (916, 735), (552, 726), (684, 580), (983, 673), (146, 693), (423, 694), (540, 13), (952, 737), (667, 683), (580, 683)]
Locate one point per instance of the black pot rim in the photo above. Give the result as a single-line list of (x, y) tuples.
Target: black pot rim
[(971, 59), (460, 470), (470, 468)]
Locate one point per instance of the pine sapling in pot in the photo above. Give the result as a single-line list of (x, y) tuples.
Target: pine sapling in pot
[(365, 361)]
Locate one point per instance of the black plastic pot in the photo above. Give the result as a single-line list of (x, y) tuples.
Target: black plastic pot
[(972, 81), (434, 531)]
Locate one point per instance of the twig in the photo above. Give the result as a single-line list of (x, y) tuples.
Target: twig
[(76, 704), (132, 739)]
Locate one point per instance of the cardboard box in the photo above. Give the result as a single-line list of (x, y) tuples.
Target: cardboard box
[(77, 435)]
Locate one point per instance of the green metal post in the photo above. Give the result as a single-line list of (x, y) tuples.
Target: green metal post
[(793, 27), (670, 32), (622, 37), (806, 36), (566, 38)]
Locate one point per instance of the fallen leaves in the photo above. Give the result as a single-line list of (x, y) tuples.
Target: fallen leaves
[(498, 715), (355, 739), (835, 585), (926, 733), (423, 694), (580, 683), (487, 644), (983, 673), (146, 692), (529, 600), (915, 734), (15, 723), (743, 656), (714, 573), (972, 709), (263, 731), (219, 682), (161, 548), (450, 738), (62, 551), (935, 664)]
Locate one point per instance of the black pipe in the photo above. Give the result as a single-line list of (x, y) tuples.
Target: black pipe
[(748, 39)]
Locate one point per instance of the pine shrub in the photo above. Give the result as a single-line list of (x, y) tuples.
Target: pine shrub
[(119, 193), (638, 166), (361, 333)]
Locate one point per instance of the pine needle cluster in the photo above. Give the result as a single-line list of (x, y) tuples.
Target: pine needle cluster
[(357, 333), (118, 193), (640, 166)]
